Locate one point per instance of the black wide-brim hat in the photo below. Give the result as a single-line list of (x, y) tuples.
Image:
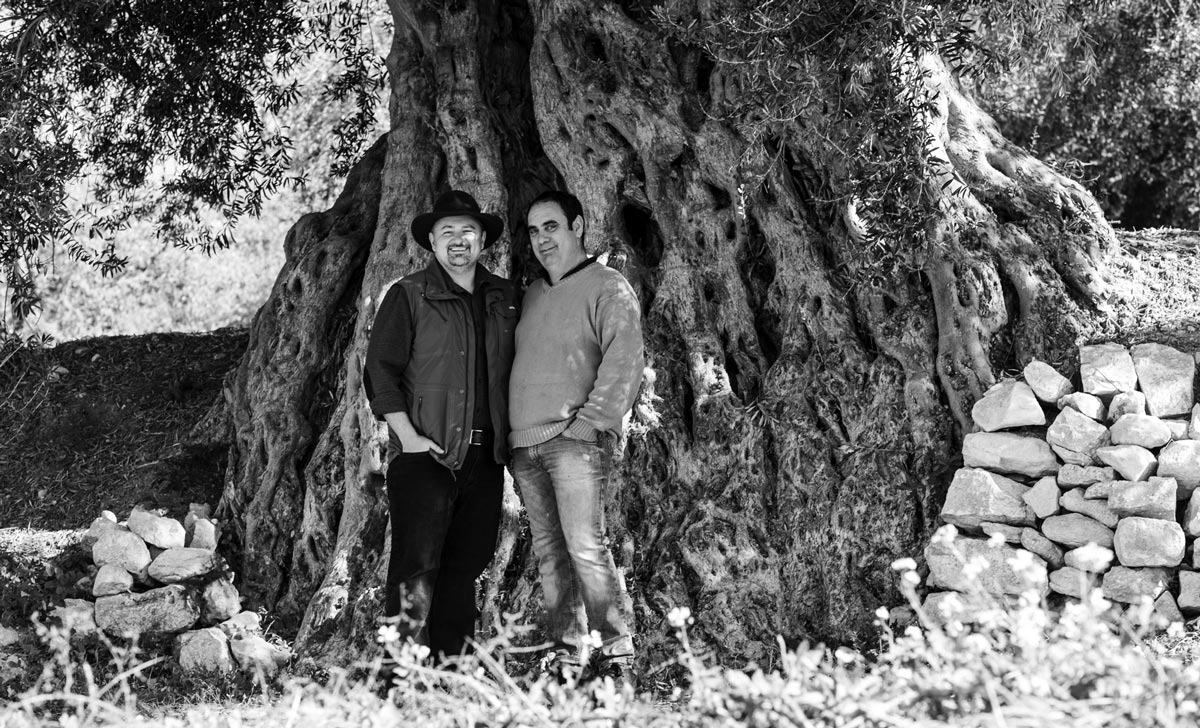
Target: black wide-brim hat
[(456, 202)]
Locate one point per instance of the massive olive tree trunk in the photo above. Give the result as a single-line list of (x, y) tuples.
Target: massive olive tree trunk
[(798, 423)]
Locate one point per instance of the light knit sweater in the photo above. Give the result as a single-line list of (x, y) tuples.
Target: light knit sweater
[(579, 357)]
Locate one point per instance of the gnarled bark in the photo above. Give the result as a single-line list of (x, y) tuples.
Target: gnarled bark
[(797, 426)]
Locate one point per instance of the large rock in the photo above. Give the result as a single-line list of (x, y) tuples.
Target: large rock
[(1101, 491), (1181, 460), (1088, 405), (1126, 403), (946, 562), (219, 600), (1008, 453), (1106, 369), (1133, 462), (257, 656), (1189, 592), (1010, 534), (1009, 403), (1165, 376), (1072, 582), (175, 565), (1167, 609), (121, 548), (169, 609), (203, 534), (1074, 501), (1045, 381), (111, 579), (205, 651), (1144, 430), (1075, 437), (156, 530), (1194, 423), (100, 526), (1075, 529), (950, 606), (1072, 475), (1154, 498), (1043, 497), (1148, 542), (977, 495), (1037, 544), (242, 622), (1123, 584), (1191, 515)]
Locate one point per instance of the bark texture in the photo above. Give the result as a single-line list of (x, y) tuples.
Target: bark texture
[(797, 427)]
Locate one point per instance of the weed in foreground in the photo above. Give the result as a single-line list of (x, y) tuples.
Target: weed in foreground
[(1012, 663)]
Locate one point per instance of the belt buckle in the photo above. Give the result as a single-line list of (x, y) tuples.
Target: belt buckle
[(476, 437)]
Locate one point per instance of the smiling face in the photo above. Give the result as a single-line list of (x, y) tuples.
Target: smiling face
[(557, 245), (457, 242)]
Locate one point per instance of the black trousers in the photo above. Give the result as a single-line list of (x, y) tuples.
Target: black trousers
[(444, 527)]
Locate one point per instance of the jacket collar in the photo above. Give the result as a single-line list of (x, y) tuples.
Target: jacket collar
[(440, 285)]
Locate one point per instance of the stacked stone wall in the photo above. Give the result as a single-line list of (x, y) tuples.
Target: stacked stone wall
[(1079, 484)]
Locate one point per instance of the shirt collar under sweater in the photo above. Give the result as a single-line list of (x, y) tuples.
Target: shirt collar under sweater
[(568, 274)]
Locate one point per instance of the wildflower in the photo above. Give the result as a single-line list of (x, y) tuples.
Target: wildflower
[(845, 655), (904, 564), (387, 635), (975, 566), (996, 540), (882, 614), (412, 652), (591, 640), (910, 578), (1093, 557), (679, 617)]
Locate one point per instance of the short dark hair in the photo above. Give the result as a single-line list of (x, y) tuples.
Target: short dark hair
[(567, 202)]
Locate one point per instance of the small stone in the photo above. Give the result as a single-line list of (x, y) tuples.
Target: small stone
[(175, 565), (203, 535), (1075, 437), (219, 600), (946, 562), (1071, 581), (1148, 542), (1106, 369), (1074, 501), (1047, 384), (1034, 542), (241, 623), (1189, 592), (1144, 430), (1009, 403), (111, 579), (1075, 529), (98, 528), (121, 548), (1088, 405), (257, 656), (1072, 475), (1181, 460), (1131, 461), (205, 651), (1126, 403), (1006, 452), (1194, 423), (977, 495), (167, 610), (1154, 498), (1166, 609), (1191, 515), (1180, 429), (1165, 375), (1092, 559), (1123, 584), (1011, 534), (1042, 498), (156, 530), (1101, 491)]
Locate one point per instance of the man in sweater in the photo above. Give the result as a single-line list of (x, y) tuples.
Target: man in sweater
[(437, 369), (578, 366)]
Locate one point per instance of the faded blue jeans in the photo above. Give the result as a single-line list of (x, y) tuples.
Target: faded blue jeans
[(562, 483)]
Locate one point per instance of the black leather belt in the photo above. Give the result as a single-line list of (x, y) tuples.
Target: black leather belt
[(480, 437)]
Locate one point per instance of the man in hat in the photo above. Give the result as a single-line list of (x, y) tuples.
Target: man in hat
[(437, 370), (577, 370)]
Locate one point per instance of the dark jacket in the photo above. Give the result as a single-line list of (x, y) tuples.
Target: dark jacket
[(432, 375)]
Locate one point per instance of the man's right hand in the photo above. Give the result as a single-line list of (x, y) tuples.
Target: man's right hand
[(410, 439), (420, 443)]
